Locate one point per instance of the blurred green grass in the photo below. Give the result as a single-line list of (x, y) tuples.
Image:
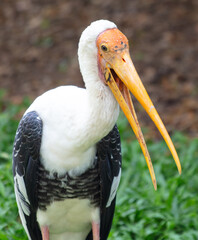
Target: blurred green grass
[(171, 212)]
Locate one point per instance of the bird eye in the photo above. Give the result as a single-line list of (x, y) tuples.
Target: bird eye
[(104, 48)]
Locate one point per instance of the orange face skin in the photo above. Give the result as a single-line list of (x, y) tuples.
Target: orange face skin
[(115, 42), (114, 39)]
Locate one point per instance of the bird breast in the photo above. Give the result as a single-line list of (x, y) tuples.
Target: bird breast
[(73, 122)]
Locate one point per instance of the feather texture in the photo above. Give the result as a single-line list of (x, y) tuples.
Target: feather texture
[(36, 188)]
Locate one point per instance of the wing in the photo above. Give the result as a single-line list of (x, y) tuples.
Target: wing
[(110, 165), (109, 157), (26, 158)]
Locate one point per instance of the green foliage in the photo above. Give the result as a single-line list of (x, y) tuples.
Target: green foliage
[(10, 226), (171, 211), (141, 212)]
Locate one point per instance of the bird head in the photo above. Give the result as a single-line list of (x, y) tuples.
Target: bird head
[(117, 71)]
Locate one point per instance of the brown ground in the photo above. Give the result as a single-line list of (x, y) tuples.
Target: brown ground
[(38, 44)]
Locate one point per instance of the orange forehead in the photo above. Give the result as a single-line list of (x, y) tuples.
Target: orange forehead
[(115, 39)]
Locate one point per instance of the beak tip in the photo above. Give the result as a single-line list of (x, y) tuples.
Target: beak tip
[(179, 166), (155, 184)]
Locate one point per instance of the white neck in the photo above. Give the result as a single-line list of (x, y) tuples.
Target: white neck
[(104, 109)]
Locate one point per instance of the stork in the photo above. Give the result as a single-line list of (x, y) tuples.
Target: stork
[(67, 153)]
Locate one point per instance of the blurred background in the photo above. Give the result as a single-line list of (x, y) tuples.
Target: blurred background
[(38, 51), (39, 41)]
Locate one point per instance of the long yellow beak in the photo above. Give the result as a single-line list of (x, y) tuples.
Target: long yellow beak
[(122, 77)]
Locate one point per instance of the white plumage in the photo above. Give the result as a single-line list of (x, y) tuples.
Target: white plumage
[(75, 148)]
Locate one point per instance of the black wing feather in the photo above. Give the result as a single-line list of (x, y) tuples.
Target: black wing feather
[(26, 158), (109, 157)]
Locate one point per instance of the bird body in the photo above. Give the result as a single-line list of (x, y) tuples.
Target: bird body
[(75, 144), (67, 153), (67, 146)]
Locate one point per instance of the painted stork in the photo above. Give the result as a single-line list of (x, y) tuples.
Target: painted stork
[(67, 153)]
